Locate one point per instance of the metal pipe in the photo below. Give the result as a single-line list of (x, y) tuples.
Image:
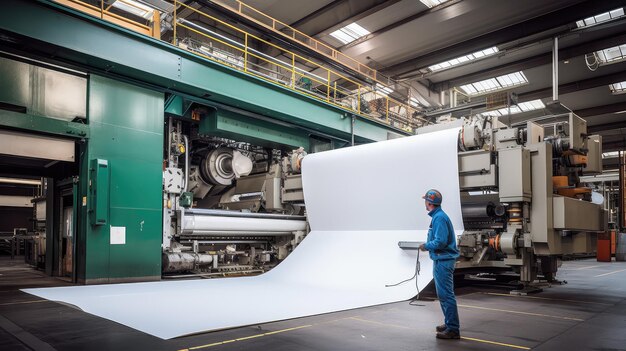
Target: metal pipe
[(467, 106), (184, 261), (6, 180), (226, 213), (201, 224), (555, 69), (232, 233), (186, 140)]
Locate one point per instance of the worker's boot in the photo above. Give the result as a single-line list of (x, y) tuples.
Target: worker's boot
[(448, 334), (441, 328)]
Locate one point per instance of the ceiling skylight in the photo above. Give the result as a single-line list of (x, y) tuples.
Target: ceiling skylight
[(495, 84), (432, 3), (519, 108), (611, 55), (349, 33), (618, 88), (463, 59), (603, 17), (134, 7)]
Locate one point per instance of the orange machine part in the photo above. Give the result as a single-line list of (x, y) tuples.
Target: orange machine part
[(604, 248), (559, 181), (613, 241), (573, 192)]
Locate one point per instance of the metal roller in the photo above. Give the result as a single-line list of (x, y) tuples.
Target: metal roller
[(184, 261), (482, 210), (198, 224)]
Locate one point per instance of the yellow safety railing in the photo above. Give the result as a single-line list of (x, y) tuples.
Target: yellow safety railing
[(287, 31), (154, 30), (238, 51)]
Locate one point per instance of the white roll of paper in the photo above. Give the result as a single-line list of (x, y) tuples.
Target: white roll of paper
[(361, 201)]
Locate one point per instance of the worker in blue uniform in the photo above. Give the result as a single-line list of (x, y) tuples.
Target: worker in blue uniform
[(441, 246)]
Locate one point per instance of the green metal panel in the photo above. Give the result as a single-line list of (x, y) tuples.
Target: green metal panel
[(174, 105), (126, 125), (43, 124), (99, 191), (234, 126), (109, 48)]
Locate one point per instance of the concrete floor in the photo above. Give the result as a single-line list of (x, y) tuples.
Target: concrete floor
[(588, 313)]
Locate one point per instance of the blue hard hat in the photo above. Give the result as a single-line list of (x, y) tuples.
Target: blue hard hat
[(433, 196)]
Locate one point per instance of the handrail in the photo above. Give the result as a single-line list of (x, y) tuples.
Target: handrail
[(324, 84), (335, 93), (333, 53)]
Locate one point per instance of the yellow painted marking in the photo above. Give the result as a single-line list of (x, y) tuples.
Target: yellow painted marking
[(589, 267), (496, 343), (602, 275), (463, 337), (245, 338), (524, 313), (21, 302), (550, 298)]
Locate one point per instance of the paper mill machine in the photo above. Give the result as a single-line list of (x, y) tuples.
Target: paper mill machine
[(229, 206), (522, 201)]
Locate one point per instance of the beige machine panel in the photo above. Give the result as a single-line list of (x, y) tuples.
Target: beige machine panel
[(476, 170), (594, 156), (36, 146), (577, 131), (545, 240), (573, 214), (514, 177)]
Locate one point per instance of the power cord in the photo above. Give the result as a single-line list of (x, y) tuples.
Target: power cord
[(415, 275)]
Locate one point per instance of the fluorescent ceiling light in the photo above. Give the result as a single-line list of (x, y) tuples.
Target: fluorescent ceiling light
[(349, 33), (611, 55), (134, 7), (603, 17), (519, 108), (463, 59), (494, 84), (413, 102), (618, 88), (432, 3)]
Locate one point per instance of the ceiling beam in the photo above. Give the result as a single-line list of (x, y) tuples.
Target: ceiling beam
[(398, 24), (535, 61), (357, 16), (601, 110), (604, 127), (569, 88), (322, 10), (563, 17), (614, 145)]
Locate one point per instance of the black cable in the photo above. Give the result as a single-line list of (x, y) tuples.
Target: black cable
[(417, 272)]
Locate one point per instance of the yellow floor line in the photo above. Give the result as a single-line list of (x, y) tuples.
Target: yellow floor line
[(496, 343), (462, 337), (21, 302), (549, 298), (245, 338), (589, 267), (524, 313), (602, 275)]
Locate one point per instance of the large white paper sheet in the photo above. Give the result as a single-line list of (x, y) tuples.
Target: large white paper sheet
[(360, 202)]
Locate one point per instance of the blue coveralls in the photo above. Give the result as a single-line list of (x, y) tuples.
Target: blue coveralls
[(441, 246)]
